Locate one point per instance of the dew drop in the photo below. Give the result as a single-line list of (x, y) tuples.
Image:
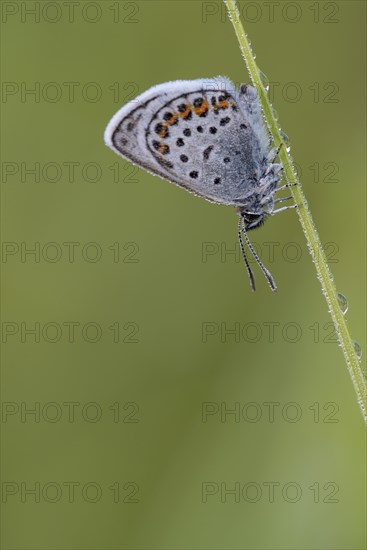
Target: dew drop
[(357, 349), (264, 79), (275, 114), (343, 303), (285, 138)]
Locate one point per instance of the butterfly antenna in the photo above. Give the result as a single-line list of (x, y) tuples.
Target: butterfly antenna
[(267, 274), (249, 271)]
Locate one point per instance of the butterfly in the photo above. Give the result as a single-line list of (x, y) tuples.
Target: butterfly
[(209, 138)]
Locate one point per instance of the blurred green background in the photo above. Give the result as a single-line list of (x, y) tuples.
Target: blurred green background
[(132, 370)]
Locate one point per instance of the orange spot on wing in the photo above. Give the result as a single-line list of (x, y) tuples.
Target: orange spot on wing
[(163, 133), (163, 148), (221, 105), (172, 120), (202, 109), (187, 112)]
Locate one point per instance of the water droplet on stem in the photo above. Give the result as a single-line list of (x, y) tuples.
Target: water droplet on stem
[(264, 79), (357, 349), (343, 303)]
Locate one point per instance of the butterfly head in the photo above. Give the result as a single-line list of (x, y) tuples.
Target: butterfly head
[(252, 219)]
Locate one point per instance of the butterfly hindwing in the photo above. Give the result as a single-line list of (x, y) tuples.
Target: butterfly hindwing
[(202, 135)]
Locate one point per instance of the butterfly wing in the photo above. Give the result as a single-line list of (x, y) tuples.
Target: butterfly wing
[(202, 135)]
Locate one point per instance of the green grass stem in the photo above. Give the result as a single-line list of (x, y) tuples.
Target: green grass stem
[(313, 241)]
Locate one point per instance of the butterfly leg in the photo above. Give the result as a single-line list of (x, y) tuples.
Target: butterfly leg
[(283, 208), (267, 200), (286, 186)]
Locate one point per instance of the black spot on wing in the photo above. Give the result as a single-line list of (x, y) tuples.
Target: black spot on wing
[(207, 152)]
